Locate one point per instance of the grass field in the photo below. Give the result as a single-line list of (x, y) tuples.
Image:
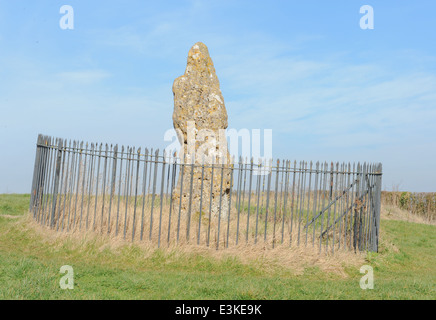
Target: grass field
[(31, 258)]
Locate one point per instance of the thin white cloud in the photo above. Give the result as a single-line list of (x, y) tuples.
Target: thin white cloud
[(83, 77)]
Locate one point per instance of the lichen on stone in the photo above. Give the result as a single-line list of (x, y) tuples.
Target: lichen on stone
[(198, 102)]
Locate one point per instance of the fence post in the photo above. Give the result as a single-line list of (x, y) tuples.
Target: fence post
[(35, 173), (377, 207), (113, 182), (357, 204), (136, 192), (56, 183), (41, 177), (156, 164), (363, 193), (162, 187)]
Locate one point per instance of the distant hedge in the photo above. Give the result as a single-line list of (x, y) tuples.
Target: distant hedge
[(419, 203)]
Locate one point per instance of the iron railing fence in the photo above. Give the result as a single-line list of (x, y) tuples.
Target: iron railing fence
[(138, 195)]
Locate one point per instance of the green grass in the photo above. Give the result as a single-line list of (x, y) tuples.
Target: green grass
[(14, 204), (405, 268)]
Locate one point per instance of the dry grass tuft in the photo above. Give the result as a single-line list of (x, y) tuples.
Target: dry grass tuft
[(391, 212), (293, 260), (8, 216)]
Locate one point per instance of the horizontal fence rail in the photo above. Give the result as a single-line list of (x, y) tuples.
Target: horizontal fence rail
[(146, 195)]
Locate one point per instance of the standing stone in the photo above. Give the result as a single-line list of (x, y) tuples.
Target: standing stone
[(200, 120)]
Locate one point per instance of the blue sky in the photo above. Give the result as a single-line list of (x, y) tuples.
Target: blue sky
[(329, 90)]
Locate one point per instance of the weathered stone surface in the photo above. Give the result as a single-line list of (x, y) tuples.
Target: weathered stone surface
[(199, 118)]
